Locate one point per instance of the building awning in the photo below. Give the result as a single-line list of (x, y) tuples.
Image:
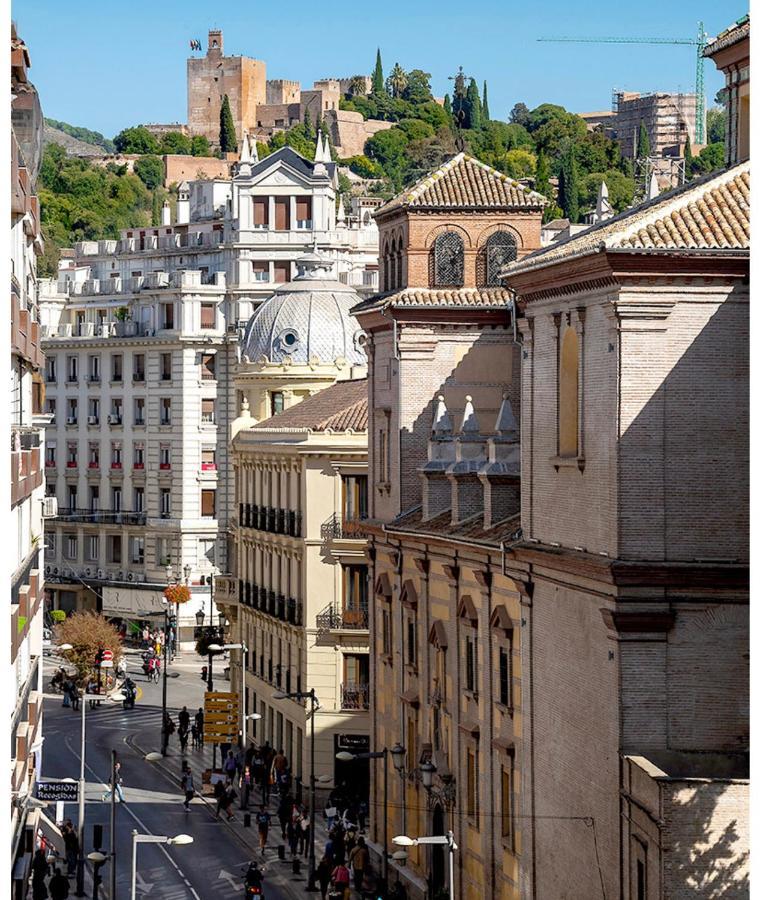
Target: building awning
[(50, 833), (130, 601)]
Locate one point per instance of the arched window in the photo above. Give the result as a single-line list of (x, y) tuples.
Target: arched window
[(448, 260), (394, 267), (568, 394), (501, 249), (400, 264), (386, 269)]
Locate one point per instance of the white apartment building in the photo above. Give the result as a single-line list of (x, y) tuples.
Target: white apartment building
[(24, 519), (141, 336)]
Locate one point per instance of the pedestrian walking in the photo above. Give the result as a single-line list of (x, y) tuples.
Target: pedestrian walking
[(188, 786), (246, 783), (324, 871), (115, 783), (74, 695), (169, 727), (230, 766), (284, 810), (262, 822), (358, 861), (59, 886), (342, 881), (71, 847), (220, 794), (66, 690), (195, 736), (229, 799), (292, 835), (305, 828), (199, 724), (182, 738), (331, 813)]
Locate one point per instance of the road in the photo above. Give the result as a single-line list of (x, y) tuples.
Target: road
[(212, 866)]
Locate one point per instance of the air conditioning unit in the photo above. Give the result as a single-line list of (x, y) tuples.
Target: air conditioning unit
[(92, 420), (49, 507), (48, 570), (71, 420), (101, 574)]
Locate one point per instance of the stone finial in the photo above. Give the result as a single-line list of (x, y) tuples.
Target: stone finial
[(254, 151), (653, 189), (470, 424), (245, 408), (319, 155), (340, 217), (245, 150), (441, 419), (326, 156), (506, 424), (603, 208)]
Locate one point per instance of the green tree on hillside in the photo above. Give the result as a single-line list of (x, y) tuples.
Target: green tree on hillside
[(199, 146), (541, 183), (716, 125), (357, 87), (688, 157), (227, 136), (619, 187), (417, 89), (397, 81), (135, 140), (378, 82), (150, 170), (459, 101), (520, 114), (711, 158), (82, 134), (447, 105), (388, 148), (567, 195), (474, 108), (175, 142), (307, 126), (643, 147), (486, 113), (519, 163)]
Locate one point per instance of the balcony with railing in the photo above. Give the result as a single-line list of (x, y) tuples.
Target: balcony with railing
[(100, 516), (335, 618), (354, 696), (337, 529), (26, 469), (271, 519), (286, 609)]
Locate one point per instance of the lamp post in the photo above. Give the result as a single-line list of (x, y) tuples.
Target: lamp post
[(312, 697), (448, 839), (397, 753), (179, 840), (244, 711)]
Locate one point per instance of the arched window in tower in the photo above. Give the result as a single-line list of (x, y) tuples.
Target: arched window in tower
[(448, 260), (394, 271), (501, 249), (386, 269), (568, 394), (400, 264)]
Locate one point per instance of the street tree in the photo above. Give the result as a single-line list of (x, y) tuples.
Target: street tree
[(227, 136), (87, 633)]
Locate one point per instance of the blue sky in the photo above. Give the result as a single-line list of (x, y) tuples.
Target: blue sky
[(106, 65)]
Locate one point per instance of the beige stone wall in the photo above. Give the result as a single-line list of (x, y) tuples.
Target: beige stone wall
[(349, 131), (281, 115), (178, 168), (282, 91), (487, 865)]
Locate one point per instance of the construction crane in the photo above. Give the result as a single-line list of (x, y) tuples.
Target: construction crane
[(700, 42)]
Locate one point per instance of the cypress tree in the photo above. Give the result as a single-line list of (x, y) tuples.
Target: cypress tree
[(227, 136), (308, 130), (688, 158), (459, 106), (542, 175), (568, 187), (474, 107), (486, 114), (447, 105), (643, 147), (378, 82)]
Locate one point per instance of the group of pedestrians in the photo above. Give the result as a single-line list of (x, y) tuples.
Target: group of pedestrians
[(55, 889)]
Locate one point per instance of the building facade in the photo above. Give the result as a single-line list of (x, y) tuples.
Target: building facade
[(25, 516), (299, 596), (443, 499), (730, 53), (634, 550), (142, 340)]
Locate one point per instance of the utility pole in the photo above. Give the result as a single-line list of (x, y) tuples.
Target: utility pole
[(113, 825)]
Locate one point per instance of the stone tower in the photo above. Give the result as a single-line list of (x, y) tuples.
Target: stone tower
[(210, 77)]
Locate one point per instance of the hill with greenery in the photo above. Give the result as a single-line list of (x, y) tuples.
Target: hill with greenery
[(83, 134)]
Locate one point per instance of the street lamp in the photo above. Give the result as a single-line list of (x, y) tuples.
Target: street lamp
[(448, 839), (244, 648), (312, 697), (179, 841), (397, 753)]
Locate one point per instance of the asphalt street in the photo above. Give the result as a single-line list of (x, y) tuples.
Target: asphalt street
[(213, 865)]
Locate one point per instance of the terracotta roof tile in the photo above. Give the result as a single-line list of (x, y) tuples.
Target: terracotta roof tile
[(441, 298), (471, 529), (340, 407), (731, 35), (465, 183), (709, 214)]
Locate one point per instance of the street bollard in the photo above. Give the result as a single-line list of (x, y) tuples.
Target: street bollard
[(296, 866), (281, 851)]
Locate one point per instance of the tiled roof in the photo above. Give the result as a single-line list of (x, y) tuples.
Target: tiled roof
[(340, 407), (706, 215), (441, 298), (471, 529), (731, 35), (465, 183)]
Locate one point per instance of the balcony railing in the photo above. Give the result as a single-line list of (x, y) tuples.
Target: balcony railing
[(101, 516), (354, 696), (271, 519), (286, 609), (333, 618), (335, 529)]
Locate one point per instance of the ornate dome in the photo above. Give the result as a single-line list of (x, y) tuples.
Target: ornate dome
[(306, 319)]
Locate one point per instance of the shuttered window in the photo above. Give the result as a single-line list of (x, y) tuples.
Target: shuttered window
[(208, 315), (261, 212), (208, 364), (303, 209), (208, 415), (282, 214), (281, 272), (208, 504)]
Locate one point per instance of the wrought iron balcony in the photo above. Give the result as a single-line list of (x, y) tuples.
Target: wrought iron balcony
[(270, 518), (100, 516), (332, 618), (354, 696), (336, 528)]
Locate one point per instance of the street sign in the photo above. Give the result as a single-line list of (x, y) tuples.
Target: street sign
[(106, 654), (67, 791), (221, 716)]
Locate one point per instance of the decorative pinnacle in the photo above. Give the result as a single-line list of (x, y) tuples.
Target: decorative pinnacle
[(470, 424), (441, 419)]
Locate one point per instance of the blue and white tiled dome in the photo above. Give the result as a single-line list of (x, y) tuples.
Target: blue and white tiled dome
[(307, 319)]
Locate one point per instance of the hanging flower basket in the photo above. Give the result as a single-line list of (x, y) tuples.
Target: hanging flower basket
[(177, 593)]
